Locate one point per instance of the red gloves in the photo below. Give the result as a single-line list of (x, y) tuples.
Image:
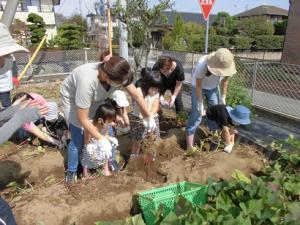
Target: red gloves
[(15, 81)]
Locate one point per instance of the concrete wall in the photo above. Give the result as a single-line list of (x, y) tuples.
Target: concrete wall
[(291, 49)]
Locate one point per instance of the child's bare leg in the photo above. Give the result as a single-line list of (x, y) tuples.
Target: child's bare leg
[(136, 147), (85, 171), (106, 171)]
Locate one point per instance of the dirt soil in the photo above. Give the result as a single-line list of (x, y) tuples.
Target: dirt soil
[(40, 196)]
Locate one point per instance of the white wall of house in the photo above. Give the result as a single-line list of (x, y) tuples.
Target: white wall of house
[(46, 12)]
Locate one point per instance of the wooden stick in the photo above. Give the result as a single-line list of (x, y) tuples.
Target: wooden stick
[(32, 57)]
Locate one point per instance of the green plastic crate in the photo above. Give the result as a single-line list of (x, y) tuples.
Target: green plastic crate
[(152, 200)]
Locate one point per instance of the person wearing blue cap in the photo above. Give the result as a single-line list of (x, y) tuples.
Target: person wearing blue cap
[(227, 118)]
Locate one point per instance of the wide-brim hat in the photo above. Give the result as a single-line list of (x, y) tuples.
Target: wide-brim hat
[(120, 98), (239, 114), (7, 43), (221, 63)]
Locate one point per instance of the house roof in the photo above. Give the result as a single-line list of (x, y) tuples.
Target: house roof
[(264, 10), (188, 17)]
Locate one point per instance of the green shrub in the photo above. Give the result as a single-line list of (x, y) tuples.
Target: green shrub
[(217, 41), (269, 42), (240, 42)]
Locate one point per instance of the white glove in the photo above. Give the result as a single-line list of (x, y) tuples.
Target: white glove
[(114, 142), (162, 100), (149, 124), (228, 148), (222, 100), (200, 106), (172, 100), (105, 146)]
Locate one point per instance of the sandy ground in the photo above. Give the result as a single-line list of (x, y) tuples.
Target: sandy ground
[(41, 197)]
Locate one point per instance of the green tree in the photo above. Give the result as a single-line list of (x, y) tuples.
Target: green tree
[(280, 27), (70, 36), (252, 27), (240, 42), (36, 28), (139, 16), (269, 42), (225, 24)]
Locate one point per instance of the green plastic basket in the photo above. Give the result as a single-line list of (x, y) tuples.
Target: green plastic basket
[(164, 198)]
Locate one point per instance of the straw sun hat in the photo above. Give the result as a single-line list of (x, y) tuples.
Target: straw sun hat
[(221, 63), (7, 43)]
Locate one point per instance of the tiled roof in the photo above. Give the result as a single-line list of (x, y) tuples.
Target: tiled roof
[(264, 10)]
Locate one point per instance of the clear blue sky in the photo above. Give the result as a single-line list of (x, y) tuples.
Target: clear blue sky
[(69, 7)]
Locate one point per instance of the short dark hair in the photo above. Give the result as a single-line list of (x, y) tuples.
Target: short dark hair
[(105, 112), (164, 60), (151, 78), (20, 95)]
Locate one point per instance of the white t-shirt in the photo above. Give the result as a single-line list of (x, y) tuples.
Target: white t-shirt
[(6, 83), (82, 89), (149, 102), (200, 71)]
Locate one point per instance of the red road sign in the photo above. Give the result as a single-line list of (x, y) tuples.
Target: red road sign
[(206, 6)]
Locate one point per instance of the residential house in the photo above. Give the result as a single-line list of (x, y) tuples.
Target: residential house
[(44, 8), (272, 13), (291, 49)]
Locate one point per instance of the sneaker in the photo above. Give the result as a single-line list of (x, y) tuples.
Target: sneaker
[(71, 177)]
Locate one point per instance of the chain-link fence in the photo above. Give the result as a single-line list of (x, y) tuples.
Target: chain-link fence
[(272, 86)]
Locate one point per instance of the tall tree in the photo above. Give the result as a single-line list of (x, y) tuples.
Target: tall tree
[(139, 16), (19, 31), (37, 28), (69, 36), (256, 26), (225, 24)]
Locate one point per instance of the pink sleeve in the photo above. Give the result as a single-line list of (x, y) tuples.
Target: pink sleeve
[(40, 99), (28, 126)]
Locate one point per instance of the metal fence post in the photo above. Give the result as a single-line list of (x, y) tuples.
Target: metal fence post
[(193, 61), (254, 74), (85, 55)]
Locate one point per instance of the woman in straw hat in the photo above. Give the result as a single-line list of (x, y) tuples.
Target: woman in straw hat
[(210, 71)]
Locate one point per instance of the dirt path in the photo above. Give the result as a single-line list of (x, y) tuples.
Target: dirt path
[(47, 201)]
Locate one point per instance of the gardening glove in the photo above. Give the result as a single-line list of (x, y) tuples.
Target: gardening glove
[(114, 142), (222, 100), (172, 100), (16, 82), (228, 148), (162, 100), (200, 106), (149, 124)]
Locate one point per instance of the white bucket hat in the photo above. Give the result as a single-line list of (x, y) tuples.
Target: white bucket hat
[(120, 98), (7, 43), (221, 63)]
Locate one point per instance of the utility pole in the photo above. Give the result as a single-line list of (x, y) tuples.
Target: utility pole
[(123, 44), (9, 12)]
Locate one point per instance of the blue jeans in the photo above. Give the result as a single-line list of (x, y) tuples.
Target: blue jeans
[(6, 214), (75, 147), (5, 99), (195, 116)]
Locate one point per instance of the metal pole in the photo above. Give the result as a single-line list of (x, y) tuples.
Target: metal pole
[(109, 28), (9, 12), (123, 44), (206, 35)]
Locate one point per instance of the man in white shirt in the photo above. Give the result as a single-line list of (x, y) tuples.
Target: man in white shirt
[(210, 71)]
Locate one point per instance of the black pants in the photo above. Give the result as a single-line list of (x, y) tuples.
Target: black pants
[(178, 101), (6, 216)]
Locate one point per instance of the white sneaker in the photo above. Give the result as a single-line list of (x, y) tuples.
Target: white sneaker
[(228, 148)]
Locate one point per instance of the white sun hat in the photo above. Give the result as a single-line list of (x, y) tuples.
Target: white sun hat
[(7, 43), (120, 98)]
